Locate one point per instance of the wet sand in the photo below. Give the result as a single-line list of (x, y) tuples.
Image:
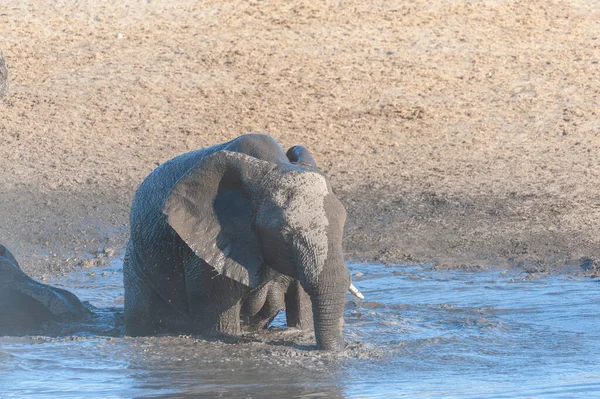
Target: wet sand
[(461, 133)]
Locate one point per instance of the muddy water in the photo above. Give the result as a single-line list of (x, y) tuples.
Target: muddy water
[(420, 332)]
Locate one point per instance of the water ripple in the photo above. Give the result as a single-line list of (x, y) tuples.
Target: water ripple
[(419, 333)]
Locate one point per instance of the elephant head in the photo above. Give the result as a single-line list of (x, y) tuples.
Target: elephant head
[(239, 213)]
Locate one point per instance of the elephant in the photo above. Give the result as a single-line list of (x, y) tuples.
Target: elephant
[(3, 76), (28, 307), (228, 235)]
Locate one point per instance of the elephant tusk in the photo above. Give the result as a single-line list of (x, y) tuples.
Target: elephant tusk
[(356, 292)]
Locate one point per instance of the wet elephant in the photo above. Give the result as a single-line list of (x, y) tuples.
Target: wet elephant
[(236, 231), (278, 292), (29, 307)]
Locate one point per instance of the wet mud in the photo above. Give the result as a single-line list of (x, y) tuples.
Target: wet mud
[(420, 331)]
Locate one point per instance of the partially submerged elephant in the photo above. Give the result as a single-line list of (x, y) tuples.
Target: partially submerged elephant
[(29, 307), (235, 232)]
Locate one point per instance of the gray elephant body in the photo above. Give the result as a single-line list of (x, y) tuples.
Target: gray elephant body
[(235, 232), (27, 307)]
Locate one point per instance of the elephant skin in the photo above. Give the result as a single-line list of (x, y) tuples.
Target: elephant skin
[(232, 234), (280, 292), (28, 307), (3, 76)]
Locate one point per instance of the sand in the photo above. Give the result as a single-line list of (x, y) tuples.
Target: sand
[(462, 134)]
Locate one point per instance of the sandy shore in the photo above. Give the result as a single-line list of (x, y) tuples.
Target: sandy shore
[(460, 133)]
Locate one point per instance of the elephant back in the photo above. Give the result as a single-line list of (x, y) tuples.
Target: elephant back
[(149, 200), (26, 305), (259, 146)]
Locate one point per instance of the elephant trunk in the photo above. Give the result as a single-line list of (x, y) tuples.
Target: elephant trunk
[(323, 272), (328, 297), (328, 312)]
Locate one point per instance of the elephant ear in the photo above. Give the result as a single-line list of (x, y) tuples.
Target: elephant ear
[(210, 208), (301, 155)]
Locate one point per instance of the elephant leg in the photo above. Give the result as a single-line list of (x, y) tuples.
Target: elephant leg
[(214, 301), (261, 306), (148, 311), (298, 307), (139, 301), (264, 303), (274, 304), (251, 306), (228, 297), (228, 321)]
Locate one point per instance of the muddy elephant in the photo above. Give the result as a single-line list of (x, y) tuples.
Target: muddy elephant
[(3, 76), (29, 307), (236, 231)]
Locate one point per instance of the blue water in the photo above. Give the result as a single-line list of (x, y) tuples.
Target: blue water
[(479, 334), (419, 333)]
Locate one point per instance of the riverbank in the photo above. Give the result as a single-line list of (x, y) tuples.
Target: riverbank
[(458, 134)]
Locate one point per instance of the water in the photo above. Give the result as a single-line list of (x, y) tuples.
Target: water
[(419, 333)]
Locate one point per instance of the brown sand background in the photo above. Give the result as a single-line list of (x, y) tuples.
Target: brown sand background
[(463, 133)]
